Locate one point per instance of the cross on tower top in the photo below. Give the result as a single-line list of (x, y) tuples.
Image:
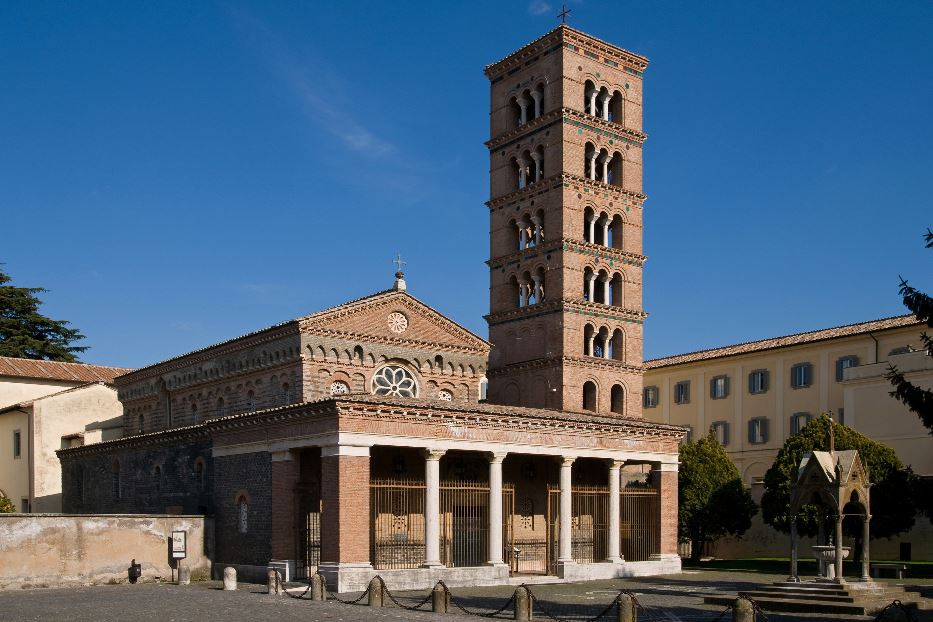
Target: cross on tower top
[(564, 12), (398, 261)]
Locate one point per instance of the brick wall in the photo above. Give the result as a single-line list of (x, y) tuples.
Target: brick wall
[(345, 523), (666, 482)]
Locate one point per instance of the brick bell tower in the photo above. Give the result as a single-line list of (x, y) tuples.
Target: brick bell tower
[(565, 213)]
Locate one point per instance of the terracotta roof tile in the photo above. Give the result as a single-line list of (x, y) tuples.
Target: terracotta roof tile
[(782, 342), (55, 370)]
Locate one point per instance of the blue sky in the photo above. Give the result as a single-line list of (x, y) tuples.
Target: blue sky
[(179, 173)]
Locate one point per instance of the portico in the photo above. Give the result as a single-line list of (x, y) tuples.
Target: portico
[(417, 492)]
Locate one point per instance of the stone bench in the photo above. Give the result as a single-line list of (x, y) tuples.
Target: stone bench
[(899, 570)]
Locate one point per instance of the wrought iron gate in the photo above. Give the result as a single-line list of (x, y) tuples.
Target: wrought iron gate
[(308, 529), (641, 531)]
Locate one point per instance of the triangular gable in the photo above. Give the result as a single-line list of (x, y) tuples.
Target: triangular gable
[(372, 317), (815, 467)]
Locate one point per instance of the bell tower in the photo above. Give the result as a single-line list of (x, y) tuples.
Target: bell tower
[(565, 212)]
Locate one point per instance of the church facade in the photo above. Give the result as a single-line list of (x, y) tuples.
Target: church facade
[(362, 440)]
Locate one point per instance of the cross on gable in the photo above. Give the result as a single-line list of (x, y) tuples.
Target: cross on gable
[(564, 12), (398, 261)]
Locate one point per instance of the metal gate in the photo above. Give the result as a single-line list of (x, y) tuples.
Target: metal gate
[(641, 531), (398, 536), (308, 542), (638, 524)]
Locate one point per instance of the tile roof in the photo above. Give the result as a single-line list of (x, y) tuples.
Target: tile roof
[(55, 370), (797, 339), (28, 403)]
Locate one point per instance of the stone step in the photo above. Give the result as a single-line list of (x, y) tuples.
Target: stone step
[(793, 605), (801, 590), (832, 598)]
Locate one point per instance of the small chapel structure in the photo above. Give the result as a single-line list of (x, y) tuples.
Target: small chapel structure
[(381, 437)]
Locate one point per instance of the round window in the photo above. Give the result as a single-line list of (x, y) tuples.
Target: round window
[(394, 380), (398, 323), (339, 388), (447, 396)]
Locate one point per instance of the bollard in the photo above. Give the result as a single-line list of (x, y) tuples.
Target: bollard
[(229, 578), (274, 581), (625, 605), (523, 603), (440, 599), (743, 610), (375, 592), (184, 574), (317, 587)]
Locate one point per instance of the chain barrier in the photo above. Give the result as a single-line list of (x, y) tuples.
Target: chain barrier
[(485, 614), (386, 591), (896, 604)]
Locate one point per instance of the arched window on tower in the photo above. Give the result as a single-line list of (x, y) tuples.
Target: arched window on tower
[(194, 414), (589, 396), (616, 107), (617, 399), (618, 345), (614, 169), (616, 232), (515, 113), (537, 97), (142, 423), (221, 407), (617, 291)]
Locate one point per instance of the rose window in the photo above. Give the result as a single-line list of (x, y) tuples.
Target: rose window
[(339, 388), (394, 380), (397, 322), (447, 396)]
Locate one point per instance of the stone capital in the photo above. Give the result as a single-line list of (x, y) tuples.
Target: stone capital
[(567, 461), (496, 457), (616, 464), (433, 454)]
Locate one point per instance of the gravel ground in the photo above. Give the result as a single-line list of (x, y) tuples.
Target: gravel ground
[(666, 598)]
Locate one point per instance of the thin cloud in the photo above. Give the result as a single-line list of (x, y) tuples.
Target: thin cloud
[(539, 7), (315, 83)]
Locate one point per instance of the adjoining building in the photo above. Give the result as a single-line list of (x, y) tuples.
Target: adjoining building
[(355, 440), (756, 395), (46, 406)]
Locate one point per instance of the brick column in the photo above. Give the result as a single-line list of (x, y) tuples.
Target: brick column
[(345, 520), (666, 480), (284, 477)]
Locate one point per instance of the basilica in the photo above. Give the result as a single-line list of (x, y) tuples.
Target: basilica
[(381, 437)]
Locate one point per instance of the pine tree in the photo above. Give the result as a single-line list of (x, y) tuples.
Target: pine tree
[(26, 333), (916, 399)]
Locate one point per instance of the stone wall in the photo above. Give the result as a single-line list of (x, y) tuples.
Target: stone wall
[(56, 550), (247, 476), (174, 476)]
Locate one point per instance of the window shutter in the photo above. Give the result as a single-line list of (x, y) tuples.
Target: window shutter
[(686, 393), (725, 386), (764, 380), (712, 389), (808, 374), (793, 425), (839, 369), (764, 430), (751, 430), (725, 434), (751, 382)]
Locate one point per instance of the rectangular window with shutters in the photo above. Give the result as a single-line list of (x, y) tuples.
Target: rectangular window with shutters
[(801, 375), (843, 364), (758, 430), (651, 397), (682, 392), (721, 431), (798, 421), (719, 387), (758, 381)]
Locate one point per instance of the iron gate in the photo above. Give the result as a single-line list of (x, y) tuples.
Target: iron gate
[(308, 542)]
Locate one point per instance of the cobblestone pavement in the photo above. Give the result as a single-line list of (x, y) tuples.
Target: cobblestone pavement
[(667, 598)]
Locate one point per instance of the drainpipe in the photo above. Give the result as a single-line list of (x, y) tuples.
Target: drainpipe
[(876, 346)]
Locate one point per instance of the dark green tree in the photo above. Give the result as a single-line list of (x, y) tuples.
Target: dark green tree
[(6, 506), (26, 333), (915, 398), (892, 500), (713, 501)]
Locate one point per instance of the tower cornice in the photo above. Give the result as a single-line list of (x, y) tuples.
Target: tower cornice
[(586, 362), (573, 117), (566, 180), (581, 307), (566, 244), (572, 40)]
